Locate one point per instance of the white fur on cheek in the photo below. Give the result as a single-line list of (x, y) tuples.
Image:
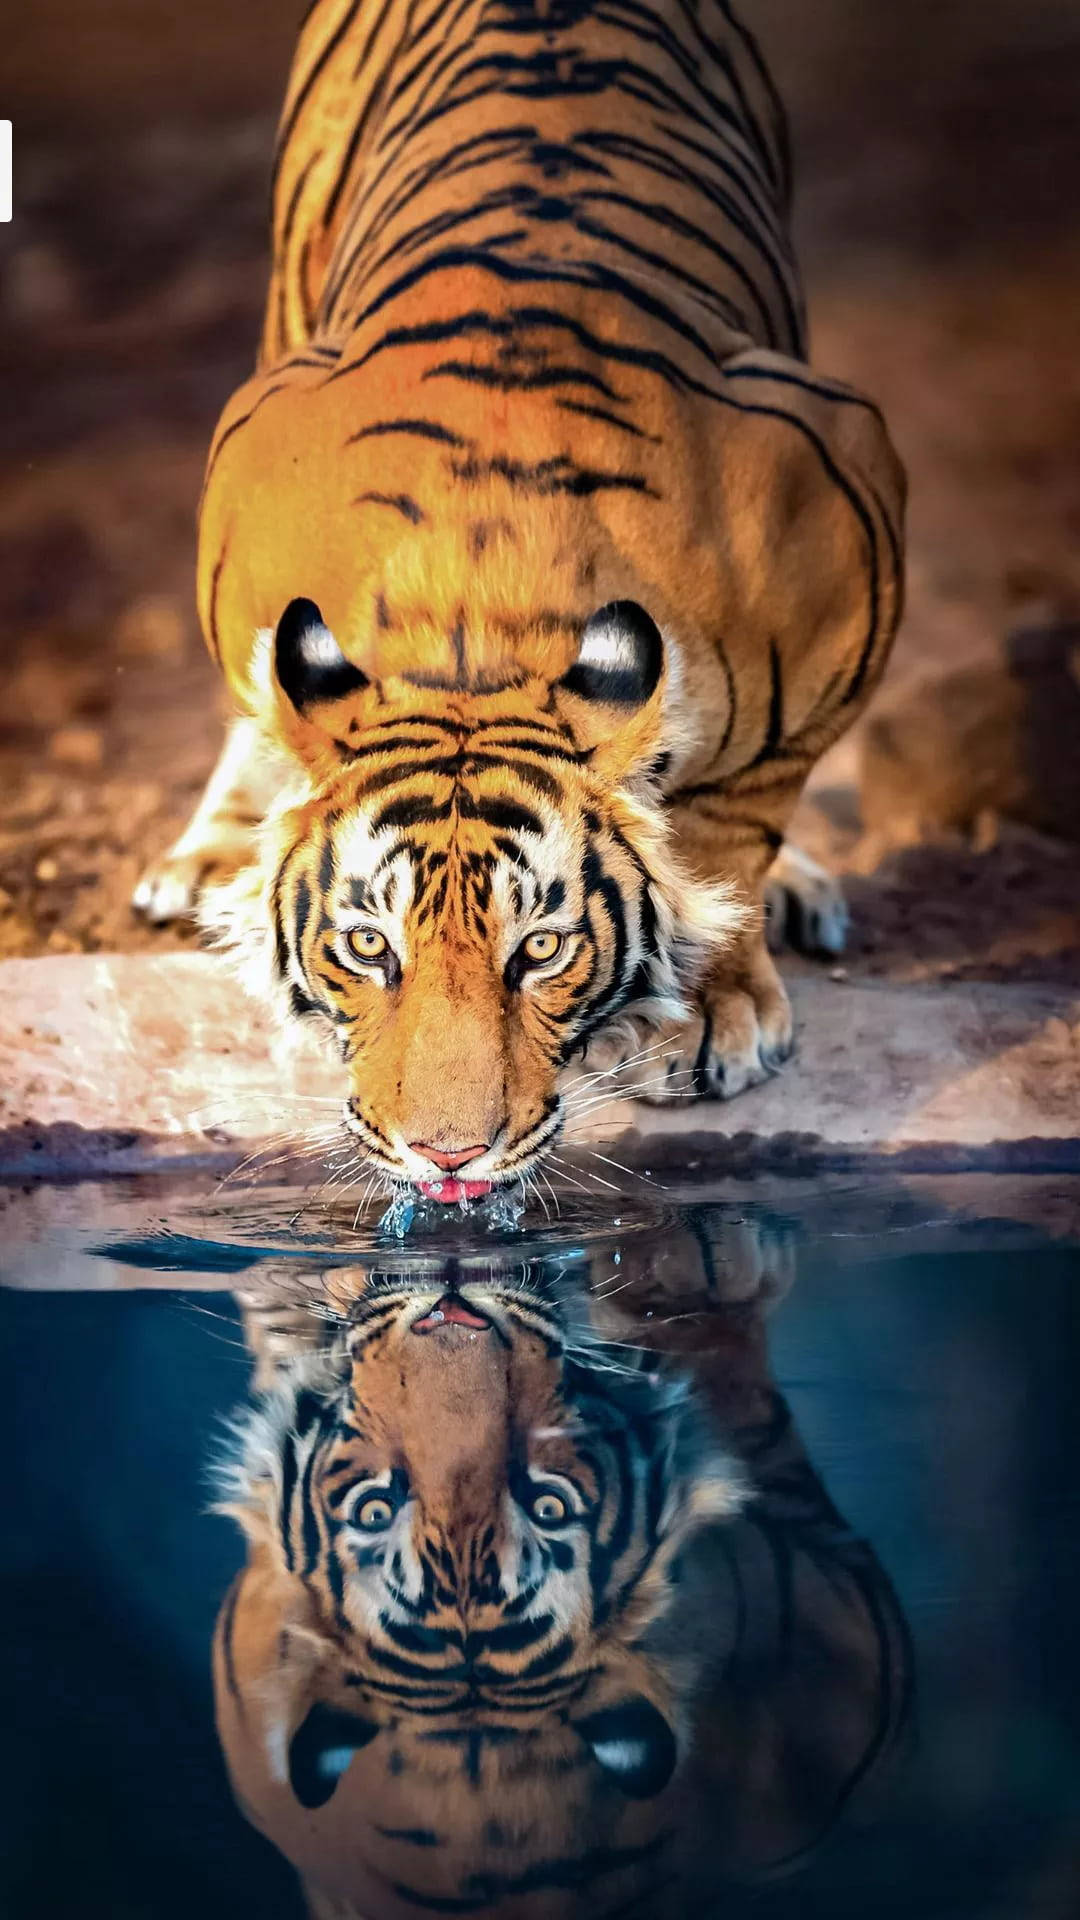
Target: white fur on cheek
[(696, 920), (236, 915)]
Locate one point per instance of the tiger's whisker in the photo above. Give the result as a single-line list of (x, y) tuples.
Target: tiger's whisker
[(554, 1196), (635, 1173), (585, 1172), (661, 1050)]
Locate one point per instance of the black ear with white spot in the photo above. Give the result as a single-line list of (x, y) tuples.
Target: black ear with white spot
[(322, 1749), (634, 1744), (309, 664), (621, 656)]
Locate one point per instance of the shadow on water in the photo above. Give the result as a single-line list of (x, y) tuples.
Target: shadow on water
[(585, 1567)]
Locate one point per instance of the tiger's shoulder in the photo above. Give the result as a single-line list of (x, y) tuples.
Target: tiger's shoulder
[(757, 512)]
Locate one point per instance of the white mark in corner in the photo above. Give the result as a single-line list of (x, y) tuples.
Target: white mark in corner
[(5, 169)]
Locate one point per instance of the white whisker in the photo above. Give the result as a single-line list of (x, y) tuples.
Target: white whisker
[(532, 1186), (634, 1173), (541, 1175), (670, 1096), (552, 1161), (661, 1048)]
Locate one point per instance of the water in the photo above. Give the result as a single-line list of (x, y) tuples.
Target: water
[(813, 1450)]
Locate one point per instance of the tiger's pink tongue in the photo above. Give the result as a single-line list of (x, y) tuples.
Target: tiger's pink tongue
[(451, 1190), (452, 1311)]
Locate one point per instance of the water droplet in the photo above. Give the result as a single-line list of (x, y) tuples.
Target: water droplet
[(400, 1214), (504, 1209)]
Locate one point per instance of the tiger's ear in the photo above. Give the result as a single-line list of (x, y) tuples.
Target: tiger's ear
[(620, 659), (611, 694), (308, 663), (322, 1749), (634, 1744)]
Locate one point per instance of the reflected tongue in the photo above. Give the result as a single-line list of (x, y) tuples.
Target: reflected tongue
[(451, 1311), (450, 1189)]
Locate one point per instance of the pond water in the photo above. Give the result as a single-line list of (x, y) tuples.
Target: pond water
[(697, 1550)]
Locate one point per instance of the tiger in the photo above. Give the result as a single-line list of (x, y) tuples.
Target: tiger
[(539, 565), (520, 1622)]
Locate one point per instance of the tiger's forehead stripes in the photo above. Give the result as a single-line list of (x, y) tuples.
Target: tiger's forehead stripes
[(429, 850)]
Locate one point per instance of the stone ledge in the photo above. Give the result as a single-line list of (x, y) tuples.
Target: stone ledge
[(126, 1063)]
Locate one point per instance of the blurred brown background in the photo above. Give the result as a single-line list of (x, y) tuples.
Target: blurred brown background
[(938, 153)]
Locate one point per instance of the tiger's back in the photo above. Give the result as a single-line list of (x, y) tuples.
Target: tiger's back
[(531, 266), (416, 139)]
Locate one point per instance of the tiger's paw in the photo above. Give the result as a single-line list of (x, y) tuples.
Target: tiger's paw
[(168, 890), (172, 887), (804, 905), (739, 1035)]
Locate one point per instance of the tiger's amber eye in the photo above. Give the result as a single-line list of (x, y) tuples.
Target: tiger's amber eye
[(367, 943), (374, 1514), (541, 947), (548, 1508)]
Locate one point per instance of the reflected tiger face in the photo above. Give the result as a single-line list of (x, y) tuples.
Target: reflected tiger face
[(499, 1584), (469, 892), (465, 1524)]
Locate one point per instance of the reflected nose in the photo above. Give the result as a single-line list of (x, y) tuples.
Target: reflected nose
[(449, 1158)]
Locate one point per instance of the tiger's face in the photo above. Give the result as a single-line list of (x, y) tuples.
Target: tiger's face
[(457, 1524), (470, 887)]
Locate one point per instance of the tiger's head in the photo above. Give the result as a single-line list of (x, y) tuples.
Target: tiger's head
[(468, 876), (460, 1531)]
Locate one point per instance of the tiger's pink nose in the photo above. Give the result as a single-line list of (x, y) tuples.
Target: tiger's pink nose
[(449, 1158)]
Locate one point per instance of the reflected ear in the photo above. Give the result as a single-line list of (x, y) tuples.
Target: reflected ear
[(620, 659), (322, 1749), (634, 1744), (308, 662)]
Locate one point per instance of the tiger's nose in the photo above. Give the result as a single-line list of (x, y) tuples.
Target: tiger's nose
[(449, 1158)]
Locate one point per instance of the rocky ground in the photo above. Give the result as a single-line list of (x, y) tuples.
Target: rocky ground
[(936, 146)]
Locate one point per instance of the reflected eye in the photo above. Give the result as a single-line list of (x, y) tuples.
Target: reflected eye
[(367, 943), (548, 1509), (539, 948), (374, 1514)]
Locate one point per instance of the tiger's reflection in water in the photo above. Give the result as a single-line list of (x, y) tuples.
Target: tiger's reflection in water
[(545, 1612)]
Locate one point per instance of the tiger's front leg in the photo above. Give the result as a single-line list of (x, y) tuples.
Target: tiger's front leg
[(219, 837), (740, 1032)]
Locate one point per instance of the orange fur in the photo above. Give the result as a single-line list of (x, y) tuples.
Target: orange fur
[(532, 349)]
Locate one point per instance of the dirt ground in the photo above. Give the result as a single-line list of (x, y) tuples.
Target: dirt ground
[(937, 146)]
